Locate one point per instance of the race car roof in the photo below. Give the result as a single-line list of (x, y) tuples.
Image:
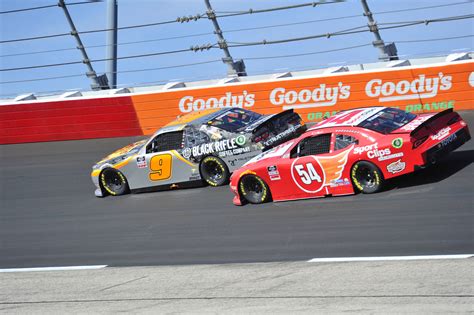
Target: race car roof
[(352, 117), (193, 118)]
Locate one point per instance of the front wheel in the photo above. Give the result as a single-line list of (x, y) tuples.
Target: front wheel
[(367, 178), (214, 171), (114, 182), (253, 189)]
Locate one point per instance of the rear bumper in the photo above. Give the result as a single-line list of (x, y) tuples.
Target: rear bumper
[(446, 146)]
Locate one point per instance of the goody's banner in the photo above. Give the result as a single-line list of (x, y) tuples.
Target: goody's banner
[(417, 89)]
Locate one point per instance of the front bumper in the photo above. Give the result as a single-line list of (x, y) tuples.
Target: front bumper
[(236, 201), (95, 180)]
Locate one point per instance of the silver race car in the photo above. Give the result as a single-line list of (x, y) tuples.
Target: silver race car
[(195, 149)]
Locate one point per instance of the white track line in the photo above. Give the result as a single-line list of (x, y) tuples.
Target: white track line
[(92, 267), (390, 258)]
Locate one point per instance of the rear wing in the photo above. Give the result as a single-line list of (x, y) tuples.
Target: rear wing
[(430, 120), (278, 128)]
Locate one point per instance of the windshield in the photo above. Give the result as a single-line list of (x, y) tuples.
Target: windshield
[(387, 120), (235, 119)]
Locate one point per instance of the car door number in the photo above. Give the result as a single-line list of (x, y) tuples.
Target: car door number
[(307, 173), (160, 167)]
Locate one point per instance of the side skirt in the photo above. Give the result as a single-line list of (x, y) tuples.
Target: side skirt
[(189, 184)]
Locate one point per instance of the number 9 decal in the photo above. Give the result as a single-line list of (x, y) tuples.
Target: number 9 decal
[(160, 166), (308, 174)]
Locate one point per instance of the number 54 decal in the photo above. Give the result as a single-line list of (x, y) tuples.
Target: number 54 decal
[(160, 166), (308, 174)]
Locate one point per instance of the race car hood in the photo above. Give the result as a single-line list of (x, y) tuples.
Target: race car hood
[(270, 155), (124, 152)]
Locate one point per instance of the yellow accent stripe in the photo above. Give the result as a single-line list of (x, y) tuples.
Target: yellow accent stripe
[(95, 173), (247, 172), (124, 162), (176, 154)]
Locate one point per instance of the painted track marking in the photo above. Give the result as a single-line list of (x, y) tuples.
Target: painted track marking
[(390, 258), (92, 267)]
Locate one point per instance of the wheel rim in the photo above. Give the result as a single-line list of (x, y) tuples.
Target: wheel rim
[(366, 177), (214, 171), (253, 188), (113, 181)]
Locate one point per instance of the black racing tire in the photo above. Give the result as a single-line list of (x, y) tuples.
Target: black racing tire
[(113, 182), (367, 177), (254, 189), (214, 171)]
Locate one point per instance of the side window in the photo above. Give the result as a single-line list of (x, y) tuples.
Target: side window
[(194, 137), (343, 141), (165, 142), (314, 145)]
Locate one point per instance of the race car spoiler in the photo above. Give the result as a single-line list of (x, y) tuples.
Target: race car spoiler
[(279, 127), (428, 122)]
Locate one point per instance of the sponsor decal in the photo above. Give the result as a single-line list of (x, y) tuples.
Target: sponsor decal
[(390, 156), (415, 123), (380, 154), (273, 172), (443, 133), (421, 87), (448, 140), (195, 177), (160, 167), (340, 182), (397, 143), (373, 152), (311, 173), (280, 136), (396, 167), (141, 162), (214, 147), (234, 151), (320, 115), (429, 107), (239, 160), (320, 96), (189, 103), (186, 153), (370, 147), (240, 140)]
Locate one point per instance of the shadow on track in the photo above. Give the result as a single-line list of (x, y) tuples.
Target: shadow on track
[(444, 169)]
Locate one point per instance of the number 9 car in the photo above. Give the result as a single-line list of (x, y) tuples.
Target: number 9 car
[(198, 148)]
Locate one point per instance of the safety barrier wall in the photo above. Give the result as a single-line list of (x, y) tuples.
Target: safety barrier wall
[(428, 88), (68, 120)]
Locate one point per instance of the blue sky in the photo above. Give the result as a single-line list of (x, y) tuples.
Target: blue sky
[(132, 12)]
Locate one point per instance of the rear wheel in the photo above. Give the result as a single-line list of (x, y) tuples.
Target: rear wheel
[(214, 171), (114, 182), (367, 177), (253, 189)]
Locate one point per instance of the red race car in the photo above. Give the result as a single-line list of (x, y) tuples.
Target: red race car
[(354, 150)]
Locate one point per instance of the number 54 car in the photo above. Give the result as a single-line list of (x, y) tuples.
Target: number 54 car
[(353, 151), (200, 147)]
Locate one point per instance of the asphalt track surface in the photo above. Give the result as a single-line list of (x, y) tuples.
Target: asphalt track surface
[(50, 217)]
